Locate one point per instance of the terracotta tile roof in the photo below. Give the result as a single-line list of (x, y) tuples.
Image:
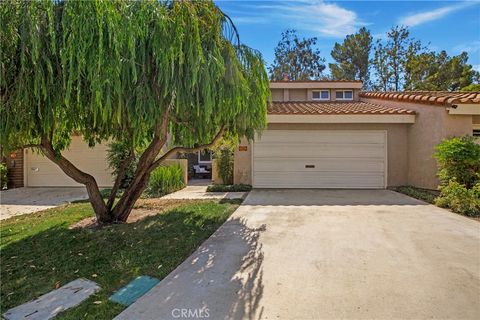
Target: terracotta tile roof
[(427, 97), (332, 108)]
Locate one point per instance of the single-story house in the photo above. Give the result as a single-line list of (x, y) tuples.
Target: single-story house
[(320, 134)]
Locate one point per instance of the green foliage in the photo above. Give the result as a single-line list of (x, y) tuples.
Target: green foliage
[(224, 155), (432, 71), (112, 70), (296, 58), (390, 57), (458, 158), (352, 57), (117, 152), (229, 188), (474, 87), (458, 198), (165, 180), (417, 193), (40, 249), (3, 176)]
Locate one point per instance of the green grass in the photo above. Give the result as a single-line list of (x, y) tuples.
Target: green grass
[(229, 188), (418, 193), (39, 250)]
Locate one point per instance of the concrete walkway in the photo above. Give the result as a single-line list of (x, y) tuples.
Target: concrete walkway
[(199, 192), (326, 254), (19, 201)]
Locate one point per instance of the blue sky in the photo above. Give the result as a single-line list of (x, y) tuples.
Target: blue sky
[(453, 26)]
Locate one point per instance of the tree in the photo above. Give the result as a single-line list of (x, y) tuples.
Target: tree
[(296, 58), (352, 57), (391, 57), (134, 72), (438, 72)]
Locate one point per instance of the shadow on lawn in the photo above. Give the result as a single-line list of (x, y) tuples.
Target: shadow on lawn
[(114, 255)]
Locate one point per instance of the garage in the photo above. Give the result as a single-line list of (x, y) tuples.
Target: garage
[(41, 172), (320, 159)]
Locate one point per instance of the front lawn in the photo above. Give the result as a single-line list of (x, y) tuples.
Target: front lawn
[(39, 251)]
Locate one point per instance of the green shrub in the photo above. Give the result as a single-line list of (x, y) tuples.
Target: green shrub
[(458, 198), (165, 180), (117, 152), (417, 193), (459, 158), (3, 176), (224, 154), (229, 188)]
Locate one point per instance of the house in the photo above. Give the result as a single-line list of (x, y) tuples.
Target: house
[(330, 134), (320, 134)]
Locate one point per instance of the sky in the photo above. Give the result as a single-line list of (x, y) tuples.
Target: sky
[(453, 26)]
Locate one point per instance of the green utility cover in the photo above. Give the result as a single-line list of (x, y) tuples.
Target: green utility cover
[(134, 290)]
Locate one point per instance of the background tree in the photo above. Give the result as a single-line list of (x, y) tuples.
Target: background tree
[(391, 57), (134, 72), (439, 72), (296, 58), (352, 57)]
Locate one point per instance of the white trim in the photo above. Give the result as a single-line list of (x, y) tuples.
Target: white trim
[(346, 118), (466, 109), (204, 162), (321, 99), (343, 99)]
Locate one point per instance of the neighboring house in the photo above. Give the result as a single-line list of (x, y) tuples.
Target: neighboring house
[(321, 134), (329, 134)]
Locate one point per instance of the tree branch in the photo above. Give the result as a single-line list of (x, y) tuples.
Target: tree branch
[(120, 175), (159, 161)]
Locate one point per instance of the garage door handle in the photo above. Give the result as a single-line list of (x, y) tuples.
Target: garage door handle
[(309, 166)]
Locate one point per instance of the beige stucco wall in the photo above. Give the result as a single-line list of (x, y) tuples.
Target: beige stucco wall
[(305, 94), (433, 124), (277, 94), (297, 94), (476, 119), (396, 145)]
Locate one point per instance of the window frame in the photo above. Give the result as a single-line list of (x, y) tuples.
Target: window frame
[(321, 99), (343, 95), (202, 161)]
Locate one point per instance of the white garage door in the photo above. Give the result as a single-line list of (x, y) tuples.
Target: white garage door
[(41, 172), (320, 159)]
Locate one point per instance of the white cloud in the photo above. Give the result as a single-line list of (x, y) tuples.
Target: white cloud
[(476, 67), (327, 19), (470, 47), (431, 15)]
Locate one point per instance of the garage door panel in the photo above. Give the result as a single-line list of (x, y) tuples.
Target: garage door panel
[(320, 159), (319, 151), (327, 164), (320, 180), (313, 136), (41, 172)]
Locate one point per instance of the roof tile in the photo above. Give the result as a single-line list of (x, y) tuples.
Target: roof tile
[(428, 97), (329, 108)]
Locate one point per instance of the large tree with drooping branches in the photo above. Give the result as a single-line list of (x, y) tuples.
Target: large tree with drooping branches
[(139, 72)]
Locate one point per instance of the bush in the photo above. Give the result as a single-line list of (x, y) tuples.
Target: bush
[(117, 152), (459, 158), (224, 154), (458, 198), (165, 180), (229, 188), (3, 176)]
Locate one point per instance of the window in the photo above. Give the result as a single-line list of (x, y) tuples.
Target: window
[(344, 95), (205, 156), (476, 132), (321, 95)]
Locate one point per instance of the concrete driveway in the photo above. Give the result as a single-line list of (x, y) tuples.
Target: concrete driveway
[(327, 254), (19, 201)]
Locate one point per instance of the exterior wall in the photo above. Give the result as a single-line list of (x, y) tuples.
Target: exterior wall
[(433, 124), (476, 119), (242, 163), (297, 94), (397, 153), (277, 94), (183, 164)]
